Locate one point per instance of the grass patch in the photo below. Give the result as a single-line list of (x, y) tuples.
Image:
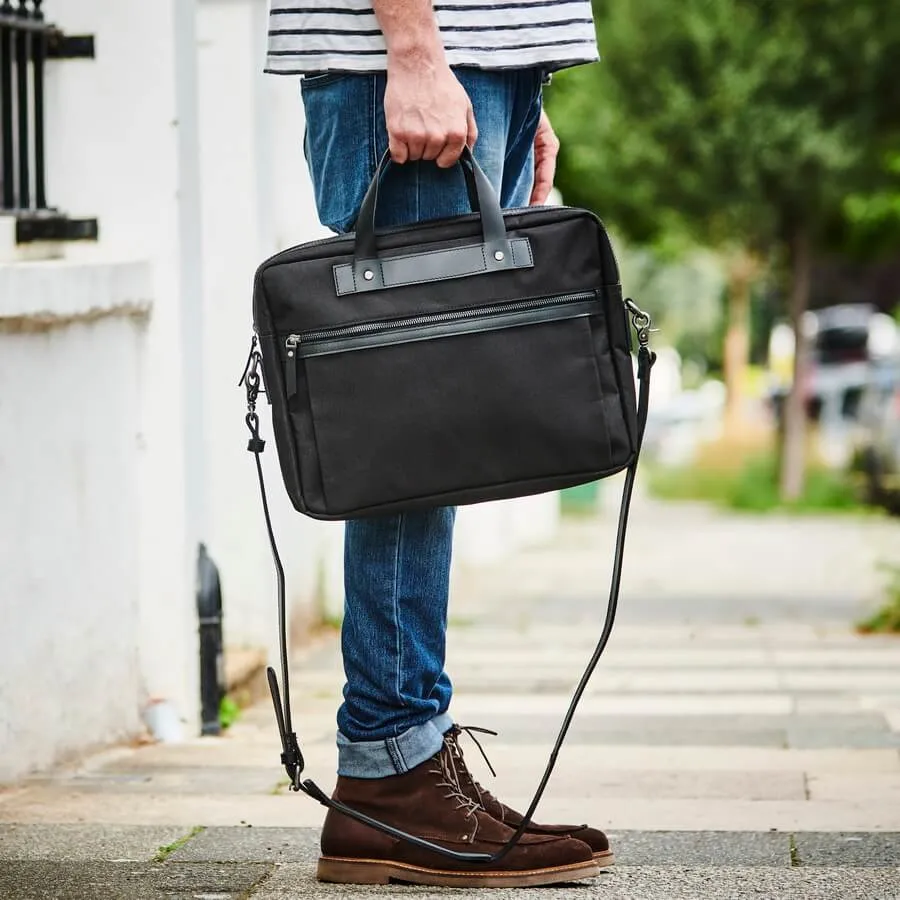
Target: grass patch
[(165, 852), (741, 477), (886, 619), (795, 853)]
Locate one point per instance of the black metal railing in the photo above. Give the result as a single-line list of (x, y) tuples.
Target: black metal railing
[(27, 41)]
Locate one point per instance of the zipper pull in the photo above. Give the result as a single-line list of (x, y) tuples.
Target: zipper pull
[(290, 365)]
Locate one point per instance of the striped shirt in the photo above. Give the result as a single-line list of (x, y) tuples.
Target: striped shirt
[(318, 35)]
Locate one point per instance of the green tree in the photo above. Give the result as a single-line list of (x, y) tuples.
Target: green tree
[(741, 125), (873, 215)]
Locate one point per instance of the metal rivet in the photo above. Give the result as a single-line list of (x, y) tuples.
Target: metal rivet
[(368, 274), (290, 352), (498, 255)]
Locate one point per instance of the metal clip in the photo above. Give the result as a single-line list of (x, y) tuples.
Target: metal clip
[(252, 382), (641, 322), (251, 378)]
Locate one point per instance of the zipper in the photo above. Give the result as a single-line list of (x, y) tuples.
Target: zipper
[(433, 325), (421, 227)]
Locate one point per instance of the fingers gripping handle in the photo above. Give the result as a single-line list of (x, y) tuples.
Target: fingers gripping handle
[(482, 197)]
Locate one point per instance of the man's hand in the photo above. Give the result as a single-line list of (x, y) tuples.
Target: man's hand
[(427, 112), (546, 148)]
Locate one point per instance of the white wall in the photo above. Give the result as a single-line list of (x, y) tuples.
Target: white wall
[(70, 347), (122, 146), (256, 200)]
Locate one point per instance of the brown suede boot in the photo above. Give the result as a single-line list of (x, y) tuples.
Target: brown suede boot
[(593, 837), (426, 802)]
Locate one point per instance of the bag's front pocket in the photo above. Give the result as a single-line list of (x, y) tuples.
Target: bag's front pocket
[(433, 405)]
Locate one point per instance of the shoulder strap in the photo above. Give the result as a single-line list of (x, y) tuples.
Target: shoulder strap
[(292, 758)]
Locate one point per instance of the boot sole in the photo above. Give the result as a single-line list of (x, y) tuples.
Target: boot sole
[(605, 858), (339, 870)]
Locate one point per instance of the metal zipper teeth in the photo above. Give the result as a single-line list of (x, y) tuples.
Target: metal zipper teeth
[(293, 340)]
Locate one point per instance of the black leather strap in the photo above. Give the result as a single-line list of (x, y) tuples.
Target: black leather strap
[(292, 758), (432, 265), (478, 186)]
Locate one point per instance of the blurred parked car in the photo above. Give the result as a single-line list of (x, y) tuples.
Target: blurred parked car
[(852, 390), (838, 365), (878, 455)]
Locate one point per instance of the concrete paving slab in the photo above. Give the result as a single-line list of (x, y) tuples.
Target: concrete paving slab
[(705, 758), (726, 680), (278, 845), (860, 656), (856, 730), (565, 638), (85, 842), (743, 704), (640, 813), (811, 704), (689, 848), (842, 734), (52, 806), (49, 880), (881, 702), (616, 657), (870, 680), (634, 883), (848, 849), (184, 780), (574, 782), (260, 752), (862, 787), (7, 793)]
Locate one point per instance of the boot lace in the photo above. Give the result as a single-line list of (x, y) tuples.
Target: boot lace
[(451, 740), (447, 770)]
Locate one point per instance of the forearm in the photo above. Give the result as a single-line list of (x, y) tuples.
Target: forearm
[(427, 113), (411, 33)]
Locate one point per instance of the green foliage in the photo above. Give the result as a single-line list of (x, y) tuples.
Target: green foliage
[(753, 487), (874, 216), (726, 122), (887, 617), (229, 712)]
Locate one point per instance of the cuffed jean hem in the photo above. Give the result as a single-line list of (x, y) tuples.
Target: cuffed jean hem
[(392, 756)]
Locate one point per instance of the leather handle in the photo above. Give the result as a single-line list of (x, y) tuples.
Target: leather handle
[(482, 198)]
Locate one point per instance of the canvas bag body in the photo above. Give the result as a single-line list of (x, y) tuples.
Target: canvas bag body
[(451, 390)]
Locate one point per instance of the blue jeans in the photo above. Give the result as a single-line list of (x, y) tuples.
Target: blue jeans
[(397, 568)]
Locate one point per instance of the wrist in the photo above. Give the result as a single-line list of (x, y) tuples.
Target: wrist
[(416, 53)]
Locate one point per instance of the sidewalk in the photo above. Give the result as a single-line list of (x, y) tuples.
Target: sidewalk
[(737, 740)]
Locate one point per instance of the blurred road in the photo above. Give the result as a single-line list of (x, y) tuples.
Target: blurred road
[(737, 740)]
